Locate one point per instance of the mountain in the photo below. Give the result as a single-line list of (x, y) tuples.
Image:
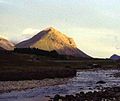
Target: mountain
[(115, 57), (50, 39), (6, 45)]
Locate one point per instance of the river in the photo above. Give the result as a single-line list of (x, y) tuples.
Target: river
[(85, 80)]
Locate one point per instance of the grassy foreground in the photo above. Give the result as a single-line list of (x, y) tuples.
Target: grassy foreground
[(16, 66)]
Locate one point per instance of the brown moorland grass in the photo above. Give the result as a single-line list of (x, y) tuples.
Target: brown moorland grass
[(14, 66)]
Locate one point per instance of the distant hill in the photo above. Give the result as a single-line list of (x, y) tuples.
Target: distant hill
[(6, 45), (115, 57), (49, 40)]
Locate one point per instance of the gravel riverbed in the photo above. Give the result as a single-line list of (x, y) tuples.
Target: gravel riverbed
[(7, 86)]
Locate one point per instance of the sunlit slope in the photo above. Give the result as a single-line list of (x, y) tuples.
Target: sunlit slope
[(51, 39)]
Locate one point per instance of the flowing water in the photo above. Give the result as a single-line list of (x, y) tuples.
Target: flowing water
[(85, 80)]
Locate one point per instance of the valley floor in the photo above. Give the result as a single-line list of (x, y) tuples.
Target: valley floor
[(14, 66)]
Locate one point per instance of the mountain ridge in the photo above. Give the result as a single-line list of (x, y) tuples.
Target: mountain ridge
[(5, 44)]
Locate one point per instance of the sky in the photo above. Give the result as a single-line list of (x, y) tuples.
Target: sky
[(93, 24)]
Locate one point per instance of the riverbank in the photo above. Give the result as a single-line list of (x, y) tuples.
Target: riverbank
[(8, 86)]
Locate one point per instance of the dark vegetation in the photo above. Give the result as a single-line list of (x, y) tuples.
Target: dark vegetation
[(107, 94), (36, 74), (51, 54), (20, 65), (27, 64), (35, 51)]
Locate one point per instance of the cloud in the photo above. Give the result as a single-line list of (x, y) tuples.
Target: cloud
[(29, 32), (4, 36), (93, 31)]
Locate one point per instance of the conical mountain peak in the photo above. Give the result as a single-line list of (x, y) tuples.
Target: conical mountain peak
[(51, 39), (50, 29)]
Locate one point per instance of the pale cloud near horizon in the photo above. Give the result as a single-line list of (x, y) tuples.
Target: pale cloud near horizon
[(3, 36), (29, 32), (26, 34)]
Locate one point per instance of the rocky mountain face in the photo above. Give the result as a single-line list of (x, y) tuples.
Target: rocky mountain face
[(50, 39), (115, 57), (6, 45)]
